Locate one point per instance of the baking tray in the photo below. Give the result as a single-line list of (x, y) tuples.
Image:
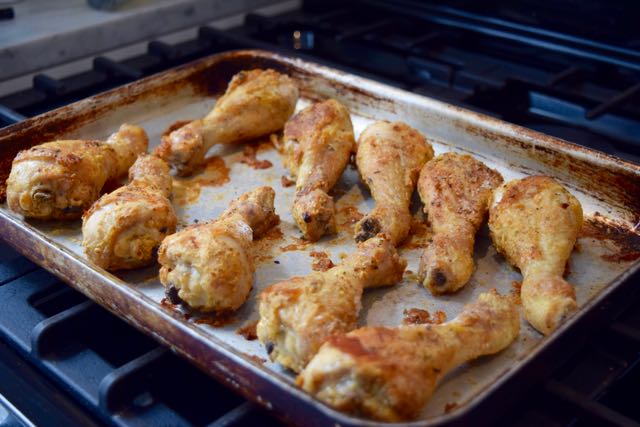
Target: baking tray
[(607, 250)]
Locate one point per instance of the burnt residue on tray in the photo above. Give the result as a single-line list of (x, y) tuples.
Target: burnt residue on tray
[(216, 320), (626, 241), (418, 316), (214, 173), (248, 331), (321, 261), (250, 157)]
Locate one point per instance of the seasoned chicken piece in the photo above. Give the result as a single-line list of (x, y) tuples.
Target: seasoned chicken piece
[(298, 315), (61, 179), (209, 267), (317, 144), (123, 229), (534, 223), (389, 158), (256, 103), (390, 373), (455, 189)]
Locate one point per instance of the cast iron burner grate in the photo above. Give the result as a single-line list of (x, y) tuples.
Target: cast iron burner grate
[(558, 83)]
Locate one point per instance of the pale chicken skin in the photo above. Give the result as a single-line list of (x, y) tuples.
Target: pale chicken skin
[(389, 158), (455, 189), (62, 179), (299, 314), (317, 144), (123, 229), (256, 103), (209, 267), (534, 223), (389, 374)]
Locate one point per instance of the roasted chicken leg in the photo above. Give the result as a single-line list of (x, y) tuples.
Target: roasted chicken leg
[(389, 158), (298, 315), (209, 267), (317, 144), (534, 223), (256, 103), (390, 373), (61, 179), (123, 229), (455, 189)]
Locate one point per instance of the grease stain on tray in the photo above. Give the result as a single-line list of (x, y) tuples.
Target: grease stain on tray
[(321, 261), (250, 155), (248, 331), (215, 173)]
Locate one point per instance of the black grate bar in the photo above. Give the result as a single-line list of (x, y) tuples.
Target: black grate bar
[(48, 332), (121, 383), (235, 417), (587, 406), (114, 68), (619, 99), (626, 331), (163, 50), (10, 116), (49, 85), (12, 270), (569, 73), (358, 31)]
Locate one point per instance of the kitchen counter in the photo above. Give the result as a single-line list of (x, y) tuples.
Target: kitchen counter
[(45, 33)]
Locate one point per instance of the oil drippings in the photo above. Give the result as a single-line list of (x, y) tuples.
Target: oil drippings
[(249, 156), (248, 331), (321, 261), (215, 173)]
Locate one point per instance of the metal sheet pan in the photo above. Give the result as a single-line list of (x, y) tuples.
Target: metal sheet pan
[(607, 251)]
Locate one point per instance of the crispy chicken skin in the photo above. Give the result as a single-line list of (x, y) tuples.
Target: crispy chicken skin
[(297, 315), (388, 374), (317, 144), (389, 157), (455, 189), (534, 223), (209, 267), (61, 179), (256, 103), (123, 229)]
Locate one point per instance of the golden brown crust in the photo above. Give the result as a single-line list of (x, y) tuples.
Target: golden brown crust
[(210, 266), (534, 223), (388, 374), (317, 144), (61, 179), (256, 103), (455, 189), (123, 229), (389, 158), (297, 315)]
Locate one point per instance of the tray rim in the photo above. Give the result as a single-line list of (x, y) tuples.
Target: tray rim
[(60, 261)]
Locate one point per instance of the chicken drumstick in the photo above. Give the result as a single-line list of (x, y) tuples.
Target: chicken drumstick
[(390, 373), (209, 266), (534, 223), (256, 103), (298, 315), (317, 144), (455, 189), (123, 229), (389, 158), (61, 179)]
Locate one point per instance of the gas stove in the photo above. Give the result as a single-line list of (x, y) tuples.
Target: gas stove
[(66, 361)]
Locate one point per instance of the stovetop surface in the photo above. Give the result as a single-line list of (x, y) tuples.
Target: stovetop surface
[(65, 361)]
